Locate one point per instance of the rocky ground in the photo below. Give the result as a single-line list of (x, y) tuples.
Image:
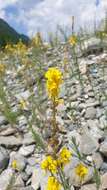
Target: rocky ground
[(83, 116)]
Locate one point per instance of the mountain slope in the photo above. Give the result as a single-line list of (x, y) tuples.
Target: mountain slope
[(9, 35)]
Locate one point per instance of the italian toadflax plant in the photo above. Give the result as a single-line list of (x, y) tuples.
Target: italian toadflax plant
[(57, 157)]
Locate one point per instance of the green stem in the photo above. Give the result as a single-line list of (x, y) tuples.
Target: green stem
[(63, 180)]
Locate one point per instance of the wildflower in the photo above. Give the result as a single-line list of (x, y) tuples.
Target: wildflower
[(49, 164), (9, 48), (2, 69), (37, 40), (59, 101), (14, 165), (65, 61), (64, 157), (72, 40), (23, 104), (20, 49), (54, 79), (81, 170), (53, 184)]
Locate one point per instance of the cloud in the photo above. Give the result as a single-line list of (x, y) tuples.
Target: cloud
[(44, 15), (47, 14), (5, 3)]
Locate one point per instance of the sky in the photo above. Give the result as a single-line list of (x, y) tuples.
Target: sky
[(30, 16)]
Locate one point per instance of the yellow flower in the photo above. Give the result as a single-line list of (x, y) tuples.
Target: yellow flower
[(59, 102), (64, 157), (44, 164), (65, 61), (104, 34), (72, 40), (37, 40), (81, 170), (49, 164), (2, 69), (53, 184), (23, 104), (9, 48), (54, 79), (14, 165), (20, 49)]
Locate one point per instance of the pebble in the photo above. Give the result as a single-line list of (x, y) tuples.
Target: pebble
[(4, 158), (10, 141), (103, 148), (39, 180), (90, 113), (5, 178), (98, 159), (27, 150), (20, 160), (88, 187)]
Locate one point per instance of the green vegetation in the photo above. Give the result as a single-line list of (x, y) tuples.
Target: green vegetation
[(9, 35)]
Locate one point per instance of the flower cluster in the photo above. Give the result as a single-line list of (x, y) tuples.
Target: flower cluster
[(64, 157), (81, 170), (2, 69), (53, 184), (23, 104), (54, 79), (72, 40), (37, 40), (50, 164), (9, 48), (19, 48), (53, 165)]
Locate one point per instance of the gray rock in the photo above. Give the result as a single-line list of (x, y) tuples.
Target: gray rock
[(103, 122), (26, 188), (69, 171), (10, 141), (73, 134), (89, 187), (29, 170), (103, 148), (22, 122), (99, 112), (104, 182), (89, 104), (74, 104), (32, 161), (3, 120), (98, 160), (4, 158), (25, 95), (88, 144), (95, 130), (28, 139), (5, 178), (104, 104), (75, 180), (90, 113), (39, 180), (104, 167), (27, 150), (18, 182), (24, 176), (8, 131), (21, 160)]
